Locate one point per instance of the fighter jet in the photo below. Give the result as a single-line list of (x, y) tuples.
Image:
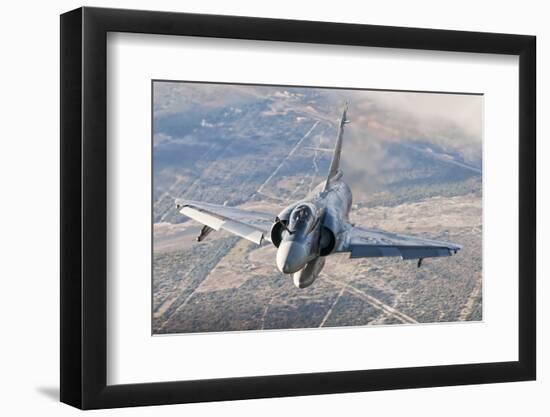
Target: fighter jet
[(306, 232)]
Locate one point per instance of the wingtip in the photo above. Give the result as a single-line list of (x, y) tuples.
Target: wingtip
[(455, 248), (179, 203)]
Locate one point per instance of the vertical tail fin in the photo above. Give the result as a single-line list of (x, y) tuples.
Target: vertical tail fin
[(335, 163)]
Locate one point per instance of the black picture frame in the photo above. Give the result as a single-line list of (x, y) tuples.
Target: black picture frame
[(84, 207)]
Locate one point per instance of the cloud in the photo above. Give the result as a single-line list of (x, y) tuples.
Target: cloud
[(452, 123), (450, 120)]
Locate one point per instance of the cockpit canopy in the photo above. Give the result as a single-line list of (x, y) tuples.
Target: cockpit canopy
[(302, 219)]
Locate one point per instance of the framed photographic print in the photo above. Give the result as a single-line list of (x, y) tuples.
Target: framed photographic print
[(257, 207)]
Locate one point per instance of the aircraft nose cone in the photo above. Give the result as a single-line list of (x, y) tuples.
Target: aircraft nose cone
[(291, 257)]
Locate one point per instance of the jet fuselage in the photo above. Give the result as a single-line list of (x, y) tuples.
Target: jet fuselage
[(310, 230)]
